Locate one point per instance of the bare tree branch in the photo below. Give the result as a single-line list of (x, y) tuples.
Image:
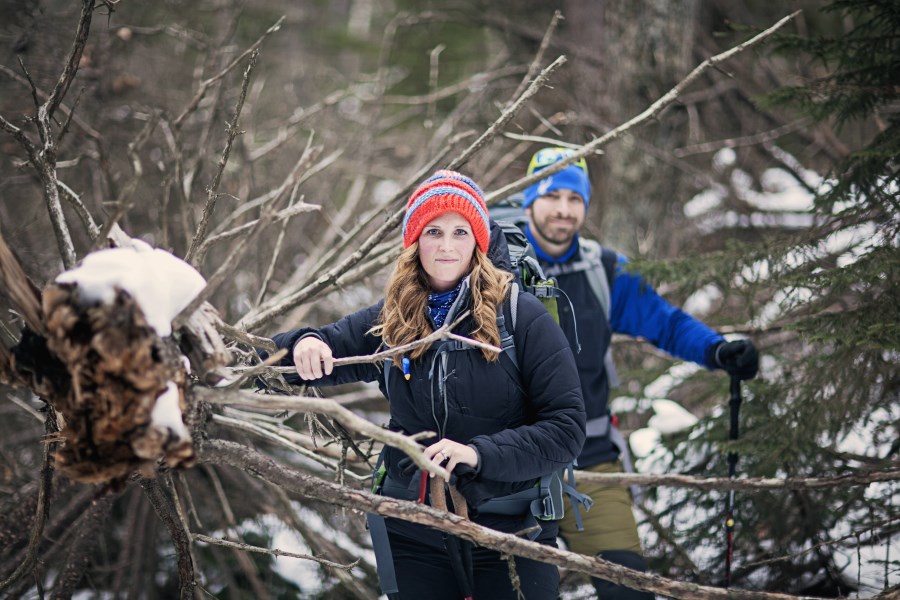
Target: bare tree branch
[(265, 315), (508, 114), (275, 552), (323, 406), (261, 466), (162, 504), (213, 189), (42, 508), (539, 56), (750, 484), (68, 74), (649, 113), (205, 85)]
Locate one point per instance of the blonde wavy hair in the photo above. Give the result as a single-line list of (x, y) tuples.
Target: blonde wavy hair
[(403, 317)]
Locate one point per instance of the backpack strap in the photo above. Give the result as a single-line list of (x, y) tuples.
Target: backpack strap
[(384, 560), (598, 269), (510, 308), (576, 498)]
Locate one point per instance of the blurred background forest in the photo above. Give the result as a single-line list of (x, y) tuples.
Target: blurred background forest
[(722, 199)]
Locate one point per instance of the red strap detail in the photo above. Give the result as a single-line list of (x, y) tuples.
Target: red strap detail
[(615, 420), (422, 486)]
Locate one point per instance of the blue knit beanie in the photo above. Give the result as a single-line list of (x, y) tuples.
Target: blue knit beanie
[(574, 177)]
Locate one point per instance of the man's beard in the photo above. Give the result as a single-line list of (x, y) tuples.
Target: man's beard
[(561, 239)]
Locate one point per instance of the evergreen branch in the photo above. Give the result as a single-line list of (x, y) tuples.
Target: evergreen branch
[(273, 551), (649, 113), (832, 542)]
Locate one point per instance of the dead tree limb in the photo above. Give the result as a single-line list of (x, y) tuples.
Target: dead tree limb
[(539, 82), (265, 315), (79, 551), (205, 85), (323, 406), (213, 189), (649, 113), (274, 552), (249, 460), (69, 112), (863, 478), (165, 511), (41, 508), (68, 74), (538, 57)]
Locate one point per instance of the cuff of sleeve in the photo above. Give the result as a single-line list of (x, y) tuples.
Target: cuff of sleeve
[(477, 458), (304, 336), (711, 356)]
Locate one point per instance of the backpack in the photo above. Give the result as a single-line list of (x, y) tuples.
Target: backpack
[(597, 262)]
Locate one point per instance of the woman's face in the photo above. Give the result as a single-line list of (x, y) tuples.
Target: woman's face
[(446, 246)]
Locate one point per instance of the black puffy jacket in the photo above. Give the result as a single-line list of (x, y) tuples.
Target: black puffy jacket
[(521, 429)]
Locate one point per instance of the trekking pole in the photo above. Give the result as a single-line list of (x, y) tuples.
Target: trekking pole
[(735, 408)]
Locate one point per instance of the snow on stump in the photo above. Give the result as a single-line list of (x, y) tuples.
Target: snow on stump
[(109, 322)]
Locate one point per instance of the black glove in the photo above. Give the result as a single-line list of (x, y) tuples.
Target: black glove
[(740, 358)]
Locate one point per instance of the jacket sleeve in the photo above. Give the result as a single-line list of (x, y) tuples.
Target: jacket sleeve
[(549, 377), (638, 310), (347, 337)]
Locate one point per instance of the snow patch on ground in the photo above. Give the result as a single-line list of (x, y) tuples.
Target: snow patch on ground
[(701, 302)]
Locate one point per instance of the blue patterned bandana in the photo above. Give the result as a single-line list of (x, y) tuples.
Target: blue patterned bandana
[(439, 304)]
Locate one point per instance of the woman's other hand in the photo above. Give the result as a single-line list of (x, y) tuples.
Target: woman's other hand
[(312, 358), (448, 454)]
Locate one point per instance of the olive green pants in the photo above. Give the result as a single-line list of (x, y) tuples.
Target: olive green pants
[(609, 525)]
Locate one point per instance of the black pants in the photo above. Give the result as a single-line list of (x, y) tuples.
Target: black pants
[(423, 569)]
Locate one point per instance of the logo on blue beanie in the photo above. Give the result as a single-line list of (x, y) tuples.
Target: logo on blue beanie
[(571, 178)]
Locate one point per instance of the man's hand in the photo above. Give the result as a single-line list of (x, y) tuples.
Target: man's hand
[(740, 358), (312, 358)]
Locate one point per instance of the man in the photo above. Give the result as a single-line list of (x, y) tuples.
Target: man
[(607, 300)]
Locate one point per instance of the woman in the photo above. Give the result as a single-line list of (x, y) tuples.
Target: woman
[(499, 429)]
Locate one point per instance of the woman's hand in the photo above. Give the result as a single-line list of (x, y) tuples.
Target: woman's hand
[(449, 454), (312, 358)]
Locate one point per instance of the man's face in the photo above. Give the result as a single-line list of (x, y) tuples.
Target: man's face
[(555, 219)]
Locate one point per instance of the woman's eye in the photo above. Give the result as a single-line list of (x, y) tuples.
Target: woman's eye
[(461, 232), (432, 232)]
